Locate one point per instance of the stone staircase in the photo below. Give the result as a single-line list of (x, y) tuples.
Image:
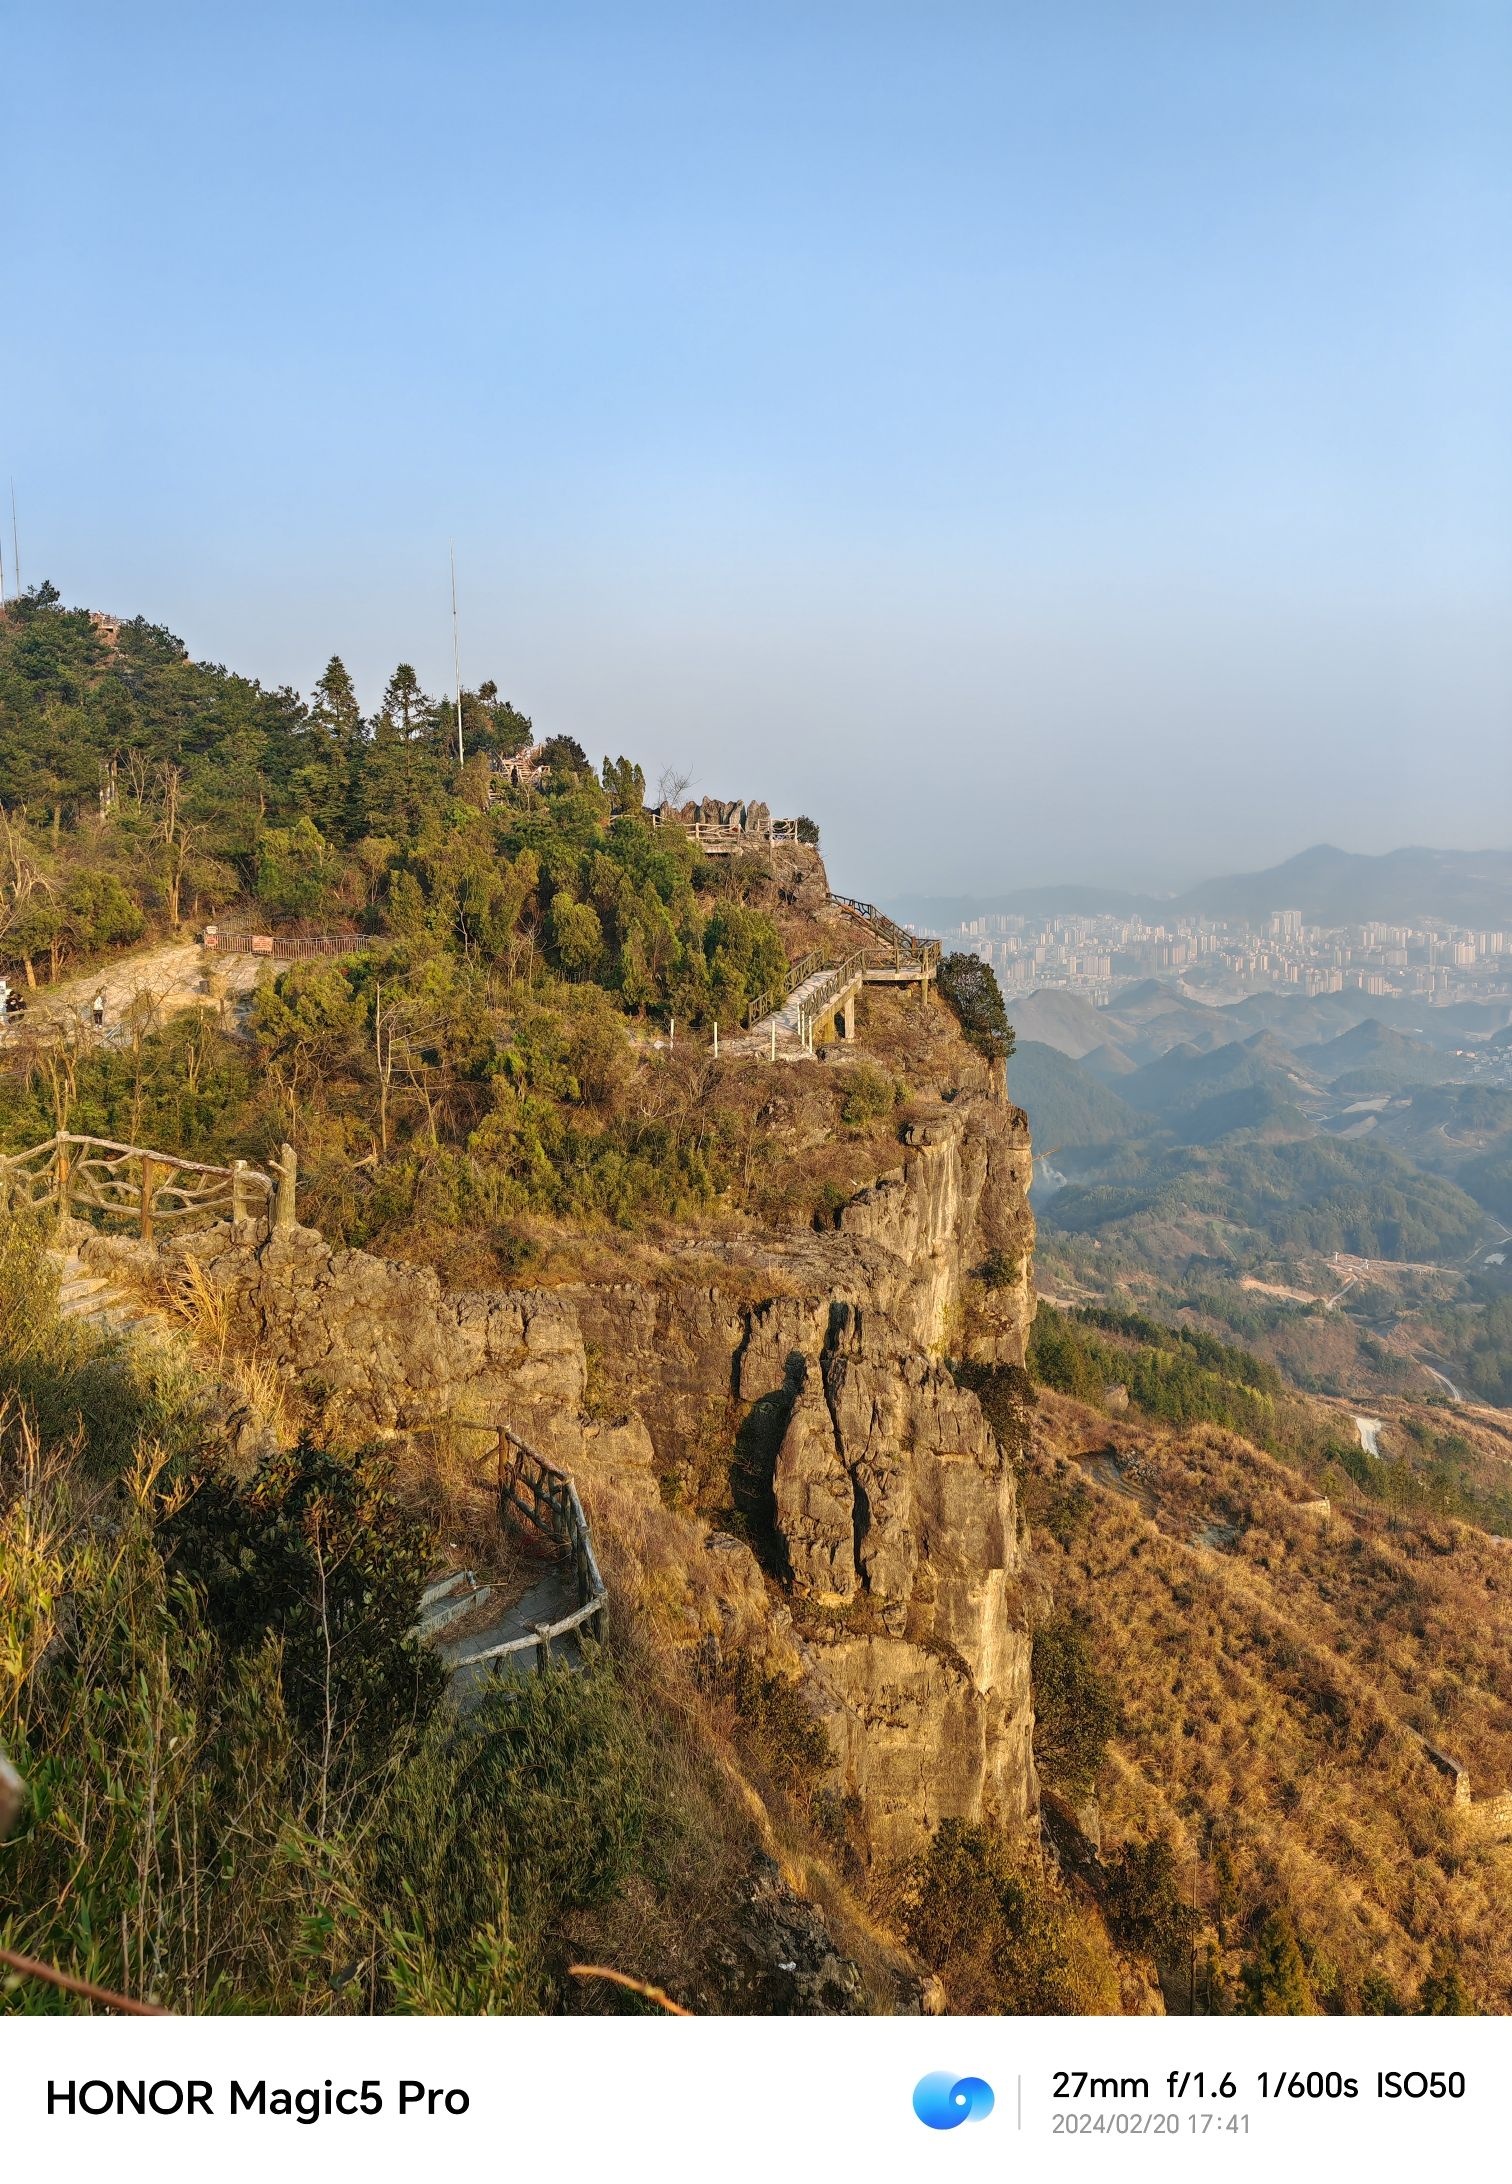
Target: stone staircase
[(98, 1300), (825, 993)]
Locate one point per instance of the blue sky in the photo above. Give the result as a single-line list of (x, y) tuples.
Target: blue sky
[(1041, 440)]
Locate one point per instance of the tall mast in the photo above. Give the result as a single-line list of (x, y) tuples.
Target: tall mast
[(456, 657)]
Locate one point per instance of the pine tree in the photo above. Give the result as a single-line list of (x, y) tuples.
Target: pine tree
[(1274, 1978), (334, 709), (405, 711), (334, 739)]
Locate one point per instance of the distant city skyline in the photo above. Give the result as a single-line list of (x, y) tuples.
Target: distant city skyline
[(1043, 442), (1436, 960)]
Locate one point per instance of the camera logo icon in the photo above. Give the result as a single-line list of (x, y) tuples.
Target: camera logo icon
[(943, 2100)]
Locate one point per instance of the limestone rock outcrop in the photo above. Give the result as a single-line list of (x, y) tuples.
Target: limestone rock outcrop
[(879, 1565), (897, 1509)]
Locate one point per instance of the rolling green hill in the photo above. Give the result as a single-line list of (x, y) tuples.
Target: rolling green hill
[(1064, 1103), (1315, 1195)]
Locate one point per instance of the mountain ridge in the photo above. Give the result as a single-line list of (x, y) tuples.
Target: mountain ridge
[(1328, 885)]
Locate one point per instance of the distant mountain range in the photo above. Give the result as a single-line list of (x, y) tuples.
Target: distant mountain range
[(1329, 886)]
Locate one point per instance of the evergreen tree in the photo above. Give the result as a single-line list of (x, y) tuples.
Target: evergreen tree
[(970, 989), (335, 711), (1443, 1995), (334, 736), (405, 712), (1274, 1978)]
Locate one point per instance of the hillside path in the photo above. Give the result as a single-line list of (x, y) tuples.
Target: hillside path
[(171, 975)]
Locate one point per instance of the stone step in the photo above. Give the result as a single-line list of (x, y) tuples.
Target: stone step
[(442, 1588), (448, 1601)]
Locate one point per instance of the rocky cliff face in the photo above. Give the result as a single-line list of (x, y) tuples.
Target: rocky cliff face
[(786, 1387), (896, 1509)]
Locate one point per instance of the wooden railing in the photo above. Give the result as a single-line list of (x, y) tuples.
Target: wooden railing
[(538, 1497), (776, 997), (90, 1178), (722, 838), (821, 1001), (907, 947)]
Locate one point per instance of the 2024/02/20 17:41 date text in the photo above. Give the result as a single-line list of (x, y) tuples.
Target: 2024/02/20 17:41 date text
[(1146, 2123)]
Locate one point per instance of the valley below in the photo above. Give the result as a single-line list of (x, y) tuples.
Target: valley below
[(1332, 1190)]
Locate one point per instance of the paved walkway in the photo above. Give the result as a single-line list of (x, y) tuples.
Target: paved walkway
[(462, 1617)]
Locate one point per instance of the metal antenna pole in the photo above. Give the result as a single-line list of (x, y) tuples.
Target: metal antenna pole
[(456, 656)]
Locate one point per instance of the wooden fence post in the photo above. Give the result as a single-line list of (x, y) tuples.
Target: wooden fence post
[(543, 1646), (284, 1214), (238, 1194), (144, 1201), (63, 1179)]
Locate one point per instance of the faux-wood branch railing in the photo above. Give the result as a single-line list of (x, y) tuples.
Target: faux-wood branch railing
[(78, 1177), (539, 1495), (821, 1001), (907, 947), (724, 837), (777, 997)]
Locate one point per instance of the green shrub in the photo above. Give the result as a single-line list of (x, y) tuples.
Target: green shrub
[(869, 1094), (1145, 1903), (997, 1935), (970, 989), (317, 1549), (1273, 1978), (1075, 1705)]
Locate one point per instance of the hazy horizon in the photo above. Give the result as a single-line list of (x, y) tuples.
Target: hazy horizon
[(1045, 443)]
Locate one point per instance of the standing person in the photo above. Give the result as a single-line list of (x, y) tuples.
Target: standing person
[(99, 1011)]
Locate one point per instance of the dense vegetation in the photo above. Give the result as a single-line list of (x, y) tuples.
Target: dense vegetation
[(1311, 1194), (476, 1057), (141, 789), (242, 1794), (1476, 1339), (1066, 1105)]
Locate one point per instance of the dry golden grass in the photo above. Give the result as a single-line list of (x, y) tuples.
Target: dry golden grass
[(1278, 1680), (677, 1607)]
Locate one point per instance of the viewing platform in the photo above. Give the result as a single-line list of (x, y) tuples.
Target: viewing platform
[(895, 956), (727, 829), (820, 1001)]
